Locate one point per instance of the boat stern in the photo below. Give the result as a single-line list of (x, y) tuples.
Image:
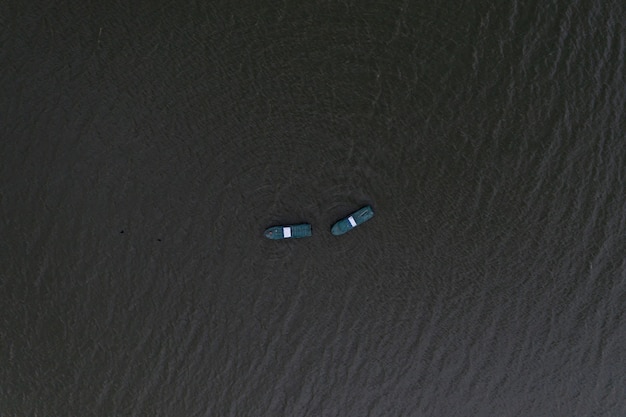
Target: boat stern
[(364, 214)]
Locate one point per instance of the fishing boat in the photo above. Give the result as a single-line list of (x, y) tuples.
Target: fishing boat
[(287, 232), (353, 220)]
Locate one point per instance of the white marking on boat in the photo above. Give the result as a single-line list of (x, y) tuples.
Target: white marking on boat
[(286, 232), (351, 220)]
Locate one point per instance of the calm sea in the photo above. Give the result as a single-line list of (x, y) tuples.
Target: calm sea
[(146, 146)]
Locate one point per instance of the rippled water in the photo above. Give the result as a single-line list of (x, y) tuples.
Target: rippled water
[(146, 147)]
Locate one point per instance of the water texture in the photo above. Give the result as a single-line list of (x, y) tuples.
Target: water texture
[(146, 146)]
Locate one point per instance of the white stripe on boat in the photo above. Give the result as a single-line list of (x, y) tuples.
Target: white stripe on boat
[(286, 232), (351, 220)]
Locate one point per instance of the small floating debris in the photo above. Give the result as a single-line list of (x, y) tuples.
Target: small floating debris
[(286, 232), (348, 223)]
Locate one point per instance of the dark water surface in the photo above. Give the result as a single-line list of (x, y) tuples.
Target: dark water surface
[(145, 147)]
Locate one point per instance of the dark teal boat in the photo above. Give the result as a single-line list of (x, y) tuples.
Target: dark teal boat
[(358, 217), (289, 231)]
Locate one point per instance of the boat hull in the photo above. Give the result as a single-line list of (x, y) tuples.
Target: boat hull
[(293, 231), (353, 220)]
